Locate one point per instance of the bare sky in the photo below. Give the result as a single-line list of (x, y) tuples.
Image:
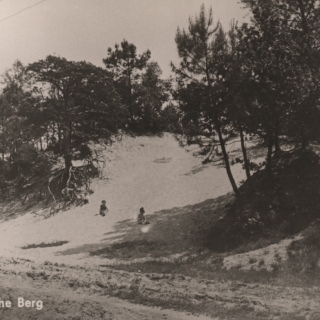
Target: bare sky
[(84, 29)]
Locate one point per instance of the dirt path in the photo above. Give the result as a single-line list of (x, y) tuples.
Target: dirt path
[(68, 304), (69, 290)]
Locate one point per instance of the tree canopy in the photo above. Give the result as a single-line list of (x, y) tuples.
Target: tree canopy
[(82, 100)]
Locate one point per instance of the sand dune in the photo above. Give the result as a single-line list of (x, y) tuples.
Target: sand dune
[(151, 172)]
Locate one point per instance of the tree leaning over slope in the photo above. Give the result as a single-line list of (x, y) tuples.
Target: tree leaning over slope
[(202, 49), (263, 83), (238, 88)]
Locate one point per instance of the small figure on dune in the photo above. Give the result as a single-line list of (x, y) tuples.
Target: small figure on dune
[(141, 218), (103, 208)]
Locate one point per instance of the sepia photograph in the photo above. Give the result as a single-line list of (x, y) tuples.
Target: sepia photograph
[(159, 159)]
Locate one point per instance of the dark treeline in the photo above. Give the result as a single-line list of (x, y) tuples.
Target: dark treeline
[(55, 108), (260, 78)]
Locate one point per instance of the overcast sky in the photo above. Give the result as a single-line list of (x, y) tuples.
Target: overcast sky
[(84, 29)]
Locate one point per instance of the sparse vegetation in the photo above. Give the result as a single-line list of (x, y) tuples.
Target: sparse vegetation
[(292, 196), (252, 260), (130, 249), (45, 245)]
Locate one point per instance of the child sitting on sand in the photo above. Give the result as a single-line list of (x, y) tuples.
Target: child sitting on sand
[(141, 218), (103, 208)]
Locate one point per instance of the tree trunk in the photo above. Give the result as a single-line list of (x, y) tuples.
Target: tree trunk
[(304, 140), (59, 139), (277, 148), (53, 137), (226, 159), (67, 160), (67, 163), (67, 145), (223, 148), (304, 135), (3, 143), (130, 96), (244, 151), (70, 133), (67, 149), (3, 164), (306, 52), (269, 154)]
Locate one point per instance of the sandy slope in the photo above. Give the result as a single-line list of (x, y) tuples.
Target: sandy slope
[(156, 174), (151, 172)]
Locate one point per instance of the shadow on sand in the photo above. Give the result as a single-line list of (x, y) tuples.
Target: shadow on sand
[(171, 231)]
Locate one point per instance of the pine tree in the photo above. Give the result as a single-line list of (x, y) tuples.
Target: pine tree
[(203, 51)]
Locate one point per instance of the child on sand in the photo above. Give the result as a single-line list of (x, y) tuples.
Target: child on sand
[(103, 208), (141, 218)]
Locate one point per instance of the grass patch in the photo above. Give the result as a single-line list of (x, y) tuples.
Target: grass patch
[(199, 268), (258, 244), (130, 249), (45, 245), (302, 267), (208, 308)]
